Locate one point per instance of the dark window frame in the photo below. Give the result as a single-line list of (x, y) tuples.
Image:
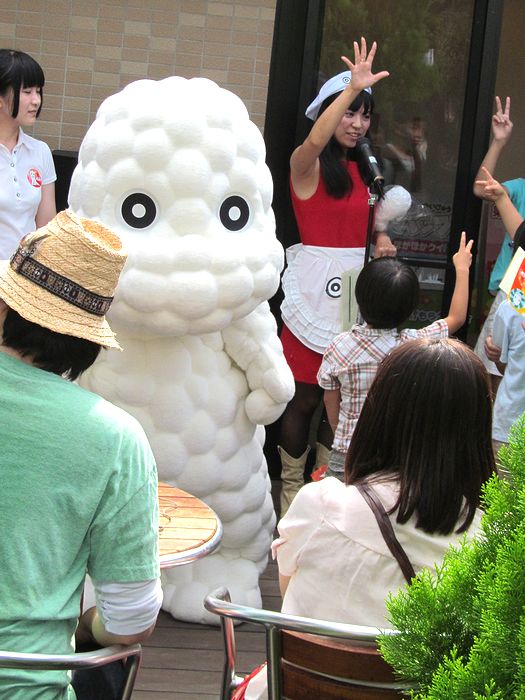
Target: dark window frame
[(294, 63)]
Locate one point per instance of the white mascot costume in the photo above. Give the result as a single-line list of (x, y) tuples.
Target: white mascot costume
[(178, 170)]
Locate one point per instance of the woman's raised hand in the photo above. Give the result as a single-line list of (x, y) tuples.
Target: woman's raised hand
[(361, 69)]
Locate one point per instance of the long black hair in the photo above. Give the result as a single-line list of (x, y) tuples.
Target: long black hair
[(335, 176), (19, 70), (427, 421)]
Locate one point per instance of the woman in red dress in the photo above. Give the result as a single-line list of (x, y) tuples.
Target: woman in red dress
[(330, 201)]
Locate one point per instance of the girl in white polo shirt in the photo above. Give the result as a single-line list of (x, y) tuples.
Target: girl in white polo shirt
[(27, 171)]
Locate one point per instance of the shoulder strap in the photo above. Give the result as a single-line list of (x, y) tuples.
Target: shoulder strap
[(377, 508)]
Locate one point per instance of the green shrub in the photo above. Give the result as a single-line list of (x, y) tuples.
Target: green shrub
[(463, 628)]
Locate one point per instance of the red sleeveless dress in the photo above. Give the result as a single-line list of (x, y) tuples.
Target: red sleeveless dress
[(325, 221)]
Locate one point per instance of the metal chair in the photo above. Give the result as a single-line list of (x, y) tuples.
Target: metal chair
[(340, 662), (80, 662)]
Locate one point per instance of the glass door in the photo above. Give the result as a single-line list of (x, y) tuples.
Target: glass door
[(416, 126)]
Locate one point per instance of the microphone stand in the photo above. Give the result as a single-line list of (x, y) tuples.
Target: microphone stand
[(376, 192)]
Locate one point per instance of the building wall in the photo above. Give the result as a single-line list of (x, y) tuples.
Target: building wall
[(90, 49)]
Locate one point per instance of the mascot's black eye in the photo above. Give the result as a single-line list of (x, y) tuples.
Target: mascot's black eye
[(234, 213), (139, 210)]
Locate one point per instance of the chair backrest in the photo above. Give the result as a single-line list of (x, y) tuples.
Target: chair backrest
[(321, 667), (80, 662), (308, 658)]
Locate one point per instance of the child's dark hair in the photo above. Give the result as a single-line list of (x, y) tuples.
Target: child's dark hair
[(387, 291), (19, 70), (336, 179)]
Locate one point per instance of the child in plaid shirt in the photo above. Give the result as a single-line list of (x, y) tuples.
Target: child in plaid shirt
[(387, 292)]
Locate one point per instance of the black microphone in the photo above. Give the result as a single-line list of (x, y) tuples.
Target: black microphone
[(368, 165)]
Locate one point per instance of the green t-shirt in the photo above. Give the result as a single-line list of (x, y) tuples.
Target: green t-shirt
[(78, 492)]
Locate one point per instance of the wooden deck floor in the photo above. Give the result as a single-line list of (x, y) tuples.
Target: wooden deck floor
[(183, 661)]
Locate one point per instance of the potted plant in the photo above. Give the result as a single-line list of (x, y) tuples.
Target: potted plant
[(462, 629)]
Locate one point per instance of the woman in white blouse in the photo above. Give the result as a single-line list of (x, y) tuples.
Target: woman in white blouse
[(423, 443)]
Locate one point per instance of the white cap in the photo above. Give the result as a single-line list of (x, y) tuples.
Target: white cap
[(335, 84)]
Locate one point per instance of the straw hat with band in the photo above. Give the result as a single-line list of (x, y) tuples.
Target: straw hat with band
[(336, 84), (63, 277)]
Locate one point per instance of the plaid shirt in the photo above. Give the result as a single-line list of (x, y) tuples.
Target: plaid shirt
[(350, 364)]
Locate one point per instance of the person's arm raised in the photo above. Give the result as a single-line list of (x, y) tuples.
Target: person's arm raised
[(462, 260), (501, 132), (495, 192), (304, 160)]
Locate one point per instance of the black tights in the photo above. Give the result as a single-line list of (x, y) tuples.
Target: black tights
[(296, 420)]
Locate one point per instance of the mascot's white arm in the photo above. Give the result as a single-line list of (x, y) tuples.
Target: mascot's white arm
[(253, 345)]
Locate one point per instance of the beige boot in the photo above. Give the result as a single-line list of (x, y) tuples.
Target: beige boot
[(292, 476), (322, 455)]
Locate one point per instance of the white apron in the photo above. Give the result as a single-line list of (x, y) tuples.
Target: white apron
[(312, 285)]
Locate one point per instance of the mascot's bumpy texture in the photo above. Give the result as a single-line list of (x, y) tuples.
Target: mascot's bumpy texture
[(177, 169)]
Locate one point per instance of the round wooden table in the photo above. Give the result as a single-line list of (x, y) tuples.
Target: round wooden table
[(188, 528)]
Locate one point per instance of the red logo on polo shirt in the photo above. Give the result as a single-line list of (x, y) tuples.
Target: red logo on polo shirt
[(34, 178)]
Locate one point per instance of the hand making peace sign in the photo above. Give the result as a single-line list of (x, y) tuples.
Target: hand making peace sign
[(501, 124)]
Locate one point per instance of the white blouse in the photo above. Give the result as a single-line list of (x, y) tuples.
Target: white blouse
[(340, 567)]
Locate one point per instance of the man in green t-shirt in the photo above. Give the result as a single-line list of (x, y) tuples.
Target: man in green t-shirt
[(79, 484)]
